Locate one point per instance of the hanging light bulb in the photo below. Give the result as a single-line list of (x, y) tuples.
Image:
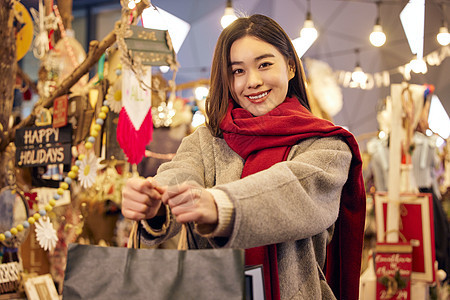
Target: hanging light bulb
[(228, 16), (358, 75), (309, 32), (418, 65), (377, 37), (201, 92), (131, 4), (443, 37)]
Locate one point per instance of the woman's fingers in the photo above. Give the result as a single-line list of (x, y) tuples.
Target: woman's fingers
[(151, 183), (175, 191), (191, 203), (141, 199)]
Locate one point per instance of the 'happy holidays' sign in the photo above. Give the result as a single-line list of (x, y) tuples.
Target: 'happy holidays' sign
[(41, 146)]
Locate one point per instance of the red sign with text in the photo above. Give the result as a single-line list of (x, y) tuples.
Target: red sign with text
[(393, 267), (60, 111)]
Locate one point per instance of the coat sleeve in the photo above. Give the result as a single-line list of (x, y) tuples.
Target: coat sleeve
[(187, 165), (292, 200)]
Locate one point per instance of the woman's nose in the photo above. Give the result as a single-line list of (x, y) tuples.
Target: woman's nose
[(254, 79)]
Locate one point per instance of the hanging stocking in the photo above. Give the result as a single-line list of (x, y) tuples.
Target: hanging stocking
[(135, 126)]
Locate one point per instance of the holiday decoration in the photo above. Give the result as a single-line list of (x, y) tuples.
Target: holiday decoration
[(114, 96), (46, 234), (41, 146), (135, 127), (88, 170), (393, 267), (24, 30)]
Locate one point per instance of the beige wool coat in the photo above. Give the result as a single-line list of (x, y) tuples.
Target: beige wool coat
[(293, 204)]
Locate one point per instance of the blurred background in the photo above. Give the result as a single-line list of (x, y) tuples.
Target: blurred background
[(343, 27)]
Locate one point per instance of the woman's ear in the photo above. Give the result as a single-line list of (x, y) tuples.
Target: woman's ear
[(291, 70)]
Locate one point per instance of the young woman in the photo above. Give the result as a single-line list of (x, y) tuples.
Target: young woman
[(265, 175)]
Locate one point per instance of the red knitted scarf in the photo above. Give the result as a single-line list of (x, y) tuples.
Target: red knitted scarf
[(265, 140)]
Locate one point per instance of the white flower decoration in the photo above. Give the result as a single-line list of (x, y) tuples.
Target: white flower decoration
[(88, 170), (114, 96), (46, 234)]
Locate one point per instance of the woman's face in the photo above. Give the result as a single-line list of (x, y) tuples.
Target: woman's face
[(260, 75)]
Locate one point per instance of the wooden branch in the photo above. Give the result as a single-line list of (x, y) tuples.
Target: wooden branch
[(96, 50), (27, 79)]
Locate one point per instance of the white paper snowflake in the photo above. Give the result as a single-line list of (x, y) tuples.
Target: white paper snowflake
[(88, 170), (114, 96), (46, 234)]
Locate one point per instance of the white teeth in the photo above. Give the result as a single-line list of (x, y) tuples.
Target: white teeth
[(258, 97)]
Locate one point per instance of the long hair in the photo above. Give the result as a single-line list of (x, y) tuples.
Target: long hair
[(264, 29)]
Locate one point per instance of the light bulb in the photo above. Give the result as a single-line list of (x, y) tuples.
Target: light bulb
[(201, 92), (443, 37), (228, 17), (377, 37), (418, 66), (308, 31), (131, 4), (358, 75), (164, 69)]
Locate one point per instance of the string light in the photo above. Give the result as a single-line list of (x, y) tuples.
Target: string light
[(64, 185), (358, 75), (418, 65), (443, 37), (228, 16), (377, 37)]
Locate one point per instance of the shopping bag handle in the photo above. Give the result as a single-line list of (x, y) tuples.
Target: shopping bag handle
[(134, 240), (182, 242)]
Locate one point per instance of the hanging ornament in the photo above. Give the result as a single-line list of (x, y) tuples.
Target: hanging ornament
[(114, 96), (88, 170), (24, 30), (46, 234), (135, 127), (41, 43)]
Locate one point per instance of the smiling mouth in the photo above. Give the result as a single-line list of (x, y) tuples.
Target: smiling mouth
[(258, 98)]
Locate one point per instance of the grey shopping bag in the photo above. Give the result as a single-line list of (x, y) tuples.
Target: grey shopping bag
[(95, 272)]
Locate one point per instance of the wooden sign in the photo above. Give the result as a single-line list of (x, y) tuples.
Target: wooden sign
[(9, 277), (151, 46), (416, 225), (60, 111), (82, 111), (393, 268), (41, 146)]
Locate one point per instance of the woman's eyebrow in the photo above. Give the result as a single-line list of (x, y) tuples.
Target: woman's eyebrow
[(266, 55)]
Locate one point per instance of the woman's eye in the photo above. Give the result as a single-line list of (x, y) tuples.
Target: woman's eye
[(237, 71), (265, 65)]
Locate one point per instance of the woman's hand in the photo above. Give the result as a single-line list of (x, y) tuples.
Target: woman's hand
[(189, 202), (141, 198)]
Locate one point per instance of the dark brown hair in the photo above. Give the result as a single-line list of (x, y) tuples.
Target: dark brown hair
[(260, 27)]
